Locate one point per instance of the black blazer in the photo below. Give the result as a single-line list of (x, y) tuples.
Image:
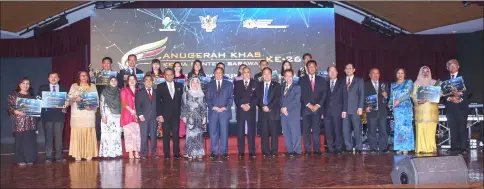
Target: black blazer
[(52, 114), (143, 104), (257, 76), (124, 72), (316, 97), (382, 107), (169, 108), (337, 101), (273, 98), (462, 106), (245, 96)]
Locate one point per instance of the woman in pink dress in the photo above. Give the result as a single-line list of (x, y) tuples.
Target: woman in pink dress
[(129, 121)]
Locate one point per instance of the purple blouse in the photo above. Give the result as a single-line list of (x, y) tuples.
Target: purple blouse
[(19, 123)]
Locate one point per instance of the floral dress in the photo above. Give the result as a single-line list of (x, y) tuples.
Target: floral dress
[(403, 116), (194, 109), (110, 132)]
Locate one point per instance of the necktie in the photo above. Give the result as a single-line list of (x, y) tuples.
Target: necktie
[(149, 93), (171, 90), (132, 70), (246, 84), (332, 86), (452, 76), (312, 83), (375, 85), (218, 88), (348, 84), (285, 90), (53, 88), (266, 91)]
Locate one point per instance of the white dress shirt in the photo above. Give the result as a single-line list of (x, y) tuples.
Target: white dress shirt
[(171, 88), (52, 88), (350, 77)]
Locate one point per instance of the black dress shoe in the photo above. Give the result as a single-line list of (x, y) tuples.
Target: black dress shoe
[(307, 153), (241, 155), (226, 156), (318, 153), (292, 154), (213, 156), (61, 160), (295, 154), (358, 151), (266, 155), (385, 151), (178, 157), (372, 151), (252, 155), (48, 161)]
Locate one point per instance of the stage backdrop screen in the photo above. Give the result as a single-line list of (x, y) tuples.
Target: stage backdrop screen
[(233, 36)]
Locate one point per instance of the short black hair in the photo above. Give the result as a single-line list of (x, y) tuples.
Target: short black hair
[(51, 73), (263, 60), (214, 70), (220, 63), (135, 57), (266, 68), (288, 70), (144, 78), (169, 69), (312, 62), (155, 61), (331, 67), (107, 58), (307, 54)]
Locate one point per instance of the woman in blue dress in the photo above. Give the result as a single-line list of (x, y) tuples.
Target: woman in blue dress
[(400, 100)]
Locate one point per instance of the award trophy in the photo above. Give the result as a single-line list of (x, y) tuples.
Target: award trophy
[(383, 89)]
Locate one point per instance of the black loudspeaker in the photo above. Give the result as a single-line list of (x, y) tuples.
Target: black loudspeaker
[(424, 170)]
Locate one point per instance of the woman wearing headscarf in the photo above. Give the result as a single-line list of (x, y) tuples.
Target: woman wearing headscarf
[(426, 115), (194, 114), (110, 106)]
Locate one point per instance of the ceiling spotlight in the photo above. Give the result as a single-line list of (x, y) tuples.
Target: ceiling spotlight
[(466, 3)]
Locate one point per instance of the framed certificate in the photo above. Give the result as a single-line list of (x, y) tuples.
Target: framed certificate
[(53, 99), (429, 93), (372, 102), (323, 74), (31, 107), (456, 84), (204, 80), (182, 81), (88, 100), (159, 80), (140, 78), (103, 77)]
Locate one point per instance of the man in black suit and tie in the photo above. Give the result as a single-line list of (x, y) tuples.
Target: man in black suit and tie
[(335, 107), (457, 111), (246, 101), (377, 116), (146, 111), (313, 95), (123, 74), (269, 97), (168, 108), (53, 122), (356, 98), (262, 64)]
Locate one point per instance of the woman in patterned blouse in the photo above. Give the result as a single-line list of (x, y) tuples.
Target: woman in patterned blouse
[(23, 126)]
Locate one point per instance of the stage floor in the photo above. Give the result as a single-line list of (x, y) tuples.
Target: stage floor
[(280, 172)]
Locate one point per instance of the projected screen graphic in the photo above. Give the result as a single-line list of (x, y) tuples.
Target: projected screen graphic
[(233, 36)]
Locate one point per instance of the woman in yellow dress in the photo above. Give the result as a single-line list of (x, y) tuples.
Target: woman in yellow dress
[(426, 115), (83, 144)]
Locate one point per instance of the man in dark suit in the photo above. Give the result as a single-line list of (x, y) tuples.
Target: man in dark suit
[(220, 65), (219, 100), (246, 101), (457, 111), (53, 122), (262, 64), (123, 74), (356, 98), (313, 89), (377, 117), (304, 70), (335, 108), (146, 111), (291, 114), (168, 109), (269, 96)]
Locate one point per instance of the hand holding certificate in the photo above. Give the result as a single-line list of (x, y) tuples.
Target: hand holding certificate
[(102, 78), (428, 94), (30, 107), (453, 85), (89, 101), (372, 102), (53, 99)]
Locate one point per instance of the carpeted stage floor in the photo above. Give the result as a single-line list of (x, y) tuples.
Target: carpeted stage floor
[(343, 170)]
